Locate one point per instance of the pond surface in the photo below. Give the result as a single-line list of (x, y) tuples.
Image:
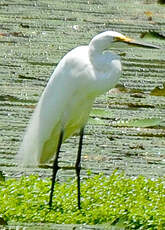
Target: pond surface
[(126, 129)]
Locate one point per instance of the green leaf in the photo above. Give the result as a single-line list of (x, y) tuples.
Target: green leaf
[(157, 91), (141, 123)]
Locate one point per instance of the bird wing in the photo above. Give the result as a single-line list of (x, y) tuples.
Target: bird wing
[(55, 111)]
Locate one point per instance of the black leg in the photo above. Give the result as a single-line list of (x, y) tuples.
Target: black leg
[(78, 166), (55, 167)]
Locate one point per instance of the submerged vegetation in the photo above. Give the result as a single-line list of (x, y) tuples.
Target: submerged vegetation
[(136, 203)]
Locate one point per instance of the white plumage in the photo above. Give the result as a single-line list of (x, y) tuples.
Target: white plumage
[(82, 74)]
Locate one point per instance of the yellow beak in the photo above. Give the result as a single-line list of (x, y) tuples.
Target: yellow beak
[(133, 42)]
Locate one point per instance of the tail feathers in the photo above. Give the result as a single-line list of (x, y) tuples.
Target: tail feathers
[(27, 154)]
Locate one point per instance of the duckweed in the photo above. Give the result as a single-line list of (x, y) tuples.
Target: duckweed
[(137, 203)]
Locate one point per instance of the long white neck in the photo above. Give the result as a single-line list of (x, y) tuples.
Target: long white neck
[(99, 54), (106, 65)]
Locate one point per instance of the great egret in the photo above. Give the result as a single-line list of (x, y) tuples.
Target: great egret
[(63, 109)]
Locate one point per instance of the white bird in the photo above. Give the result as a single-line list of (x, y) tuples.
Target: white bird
[(64, 106)]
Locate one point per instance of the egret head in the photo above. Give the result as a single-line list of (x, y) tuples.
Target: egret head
[(104, 40)]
